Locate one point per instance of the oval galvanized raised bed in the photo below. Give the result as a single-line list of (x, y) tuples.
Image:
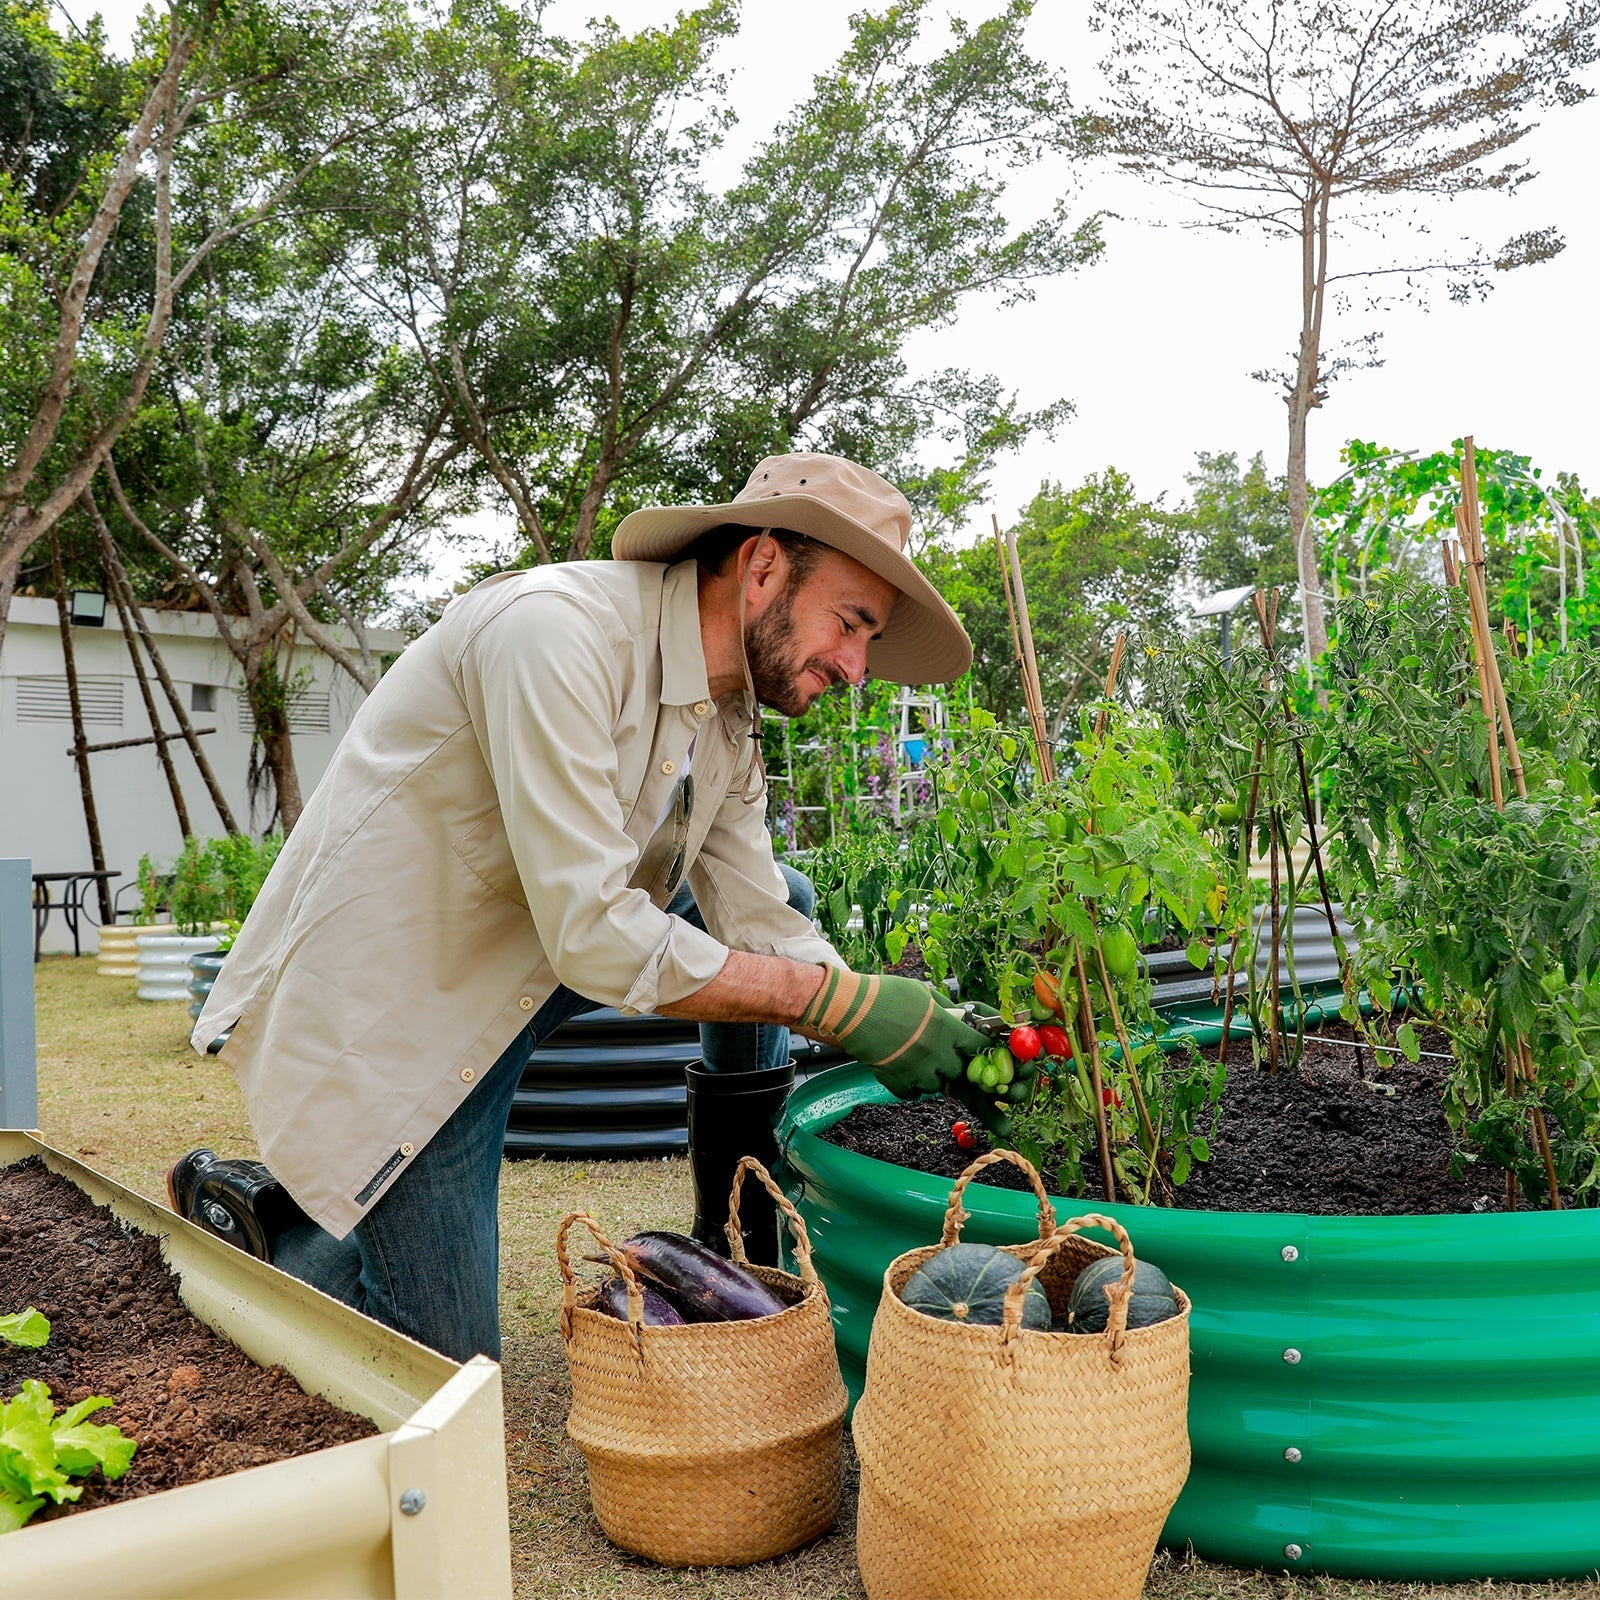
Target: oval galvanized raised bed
[(1406, 1397)]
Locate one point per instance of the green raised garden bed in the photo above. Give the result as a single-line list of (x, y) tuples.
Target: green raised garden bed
[(1404, 1397)]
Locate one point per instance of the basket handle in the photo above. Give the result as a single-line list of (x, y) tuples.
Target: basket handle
[(569, 1281), (1118, 1294), (797, 1225), (955, 1215)]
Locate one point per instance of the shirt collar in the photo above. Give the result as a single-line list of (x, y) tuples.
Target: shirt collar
[(683, 655)]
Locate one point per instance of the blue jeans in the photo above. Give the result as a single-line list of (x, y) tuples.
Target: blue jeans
[(426, 1258)]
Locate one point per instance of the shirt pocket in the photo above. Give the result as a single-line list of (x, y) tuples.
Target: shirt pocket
[(487, 853)]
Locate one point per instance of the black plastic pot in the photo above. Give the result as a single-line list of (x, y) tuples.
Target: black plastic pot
[(608, 1085)]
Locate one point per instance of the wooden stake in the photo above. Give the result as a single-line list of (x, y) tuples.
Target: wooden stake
[(1031, 696), (1089, 1042), (1111, 683), (1030, 664), (1469, 523), (80, 740)]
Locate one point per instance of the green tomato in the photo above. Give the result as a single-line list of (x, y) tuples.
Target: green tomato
[(1230, 811), (977, 1070), (1121, 953), (1016, 1094), (1110, 820), (1038, 1010), (1553, 981), (1056, 825)]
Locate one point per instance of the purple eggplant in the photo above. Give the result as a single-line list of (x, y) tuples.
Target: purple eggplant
[(701, 1284), (657, 1312)]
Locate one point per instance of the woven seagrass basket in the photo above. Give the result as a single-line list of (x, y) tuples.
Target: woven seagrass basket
[(999, 1460), (717, 1443)]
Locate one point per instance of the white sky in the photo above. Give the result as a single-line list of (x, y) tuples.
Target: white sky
[(1155, 344)]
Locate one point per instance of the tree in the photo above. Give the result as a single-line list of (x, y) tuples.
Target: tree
[(281, 476), (265, 90), (1307, 119), (1096, 560), (607, 328), (1237, 532)]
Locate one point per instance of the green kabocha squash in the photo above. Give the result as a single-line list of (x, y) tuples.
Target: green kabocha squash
[(968, 1282), (1153, 1298)]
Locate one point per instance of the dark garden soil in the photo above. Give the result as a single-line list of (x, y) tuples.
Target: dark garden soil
[(198, 1405), (1341, 1136)]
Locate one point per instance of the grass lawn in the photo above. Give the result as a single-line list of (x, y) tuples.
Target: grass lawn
[(119, 1087)]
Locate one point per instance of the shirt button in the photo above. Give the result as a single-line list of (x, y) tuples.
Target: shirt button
[(701, 708), (467, 1074), (406, 1149), (526, 1002), (669, 767)]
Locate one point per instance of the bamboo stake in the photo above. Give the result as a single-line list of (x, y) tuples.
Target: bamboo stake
[(1032, 699), (1030, 663), (1089, 1043), (1244, 863), (1469, 522), (1111, 683)]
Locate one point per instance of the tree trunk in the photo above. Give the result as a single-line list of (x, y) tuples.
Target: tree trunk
[(8, 587), (1305, 396), (266, 687), (594, 495)]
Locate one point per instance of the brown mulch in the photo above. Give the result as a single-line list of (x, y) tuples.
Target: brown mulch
[(198, 1405)]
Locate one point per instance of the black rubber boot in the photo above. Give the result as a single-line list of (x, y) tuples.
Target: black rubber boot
[(239, 1201), (732, 1114)]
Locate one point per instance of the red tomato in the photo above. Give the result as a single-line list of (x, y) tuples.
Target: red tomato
[(963, 1135), (1023, 1042), (1055, 1041), (1109, 1097)]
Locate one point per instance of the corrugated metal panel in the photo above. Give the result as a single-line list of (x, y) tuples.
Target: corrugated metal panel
[(1177, 983), (1445, 1403), (47, 700)]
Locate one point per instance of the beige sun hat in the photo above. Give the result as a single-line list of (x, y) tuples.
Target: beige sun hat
[(848, 508)]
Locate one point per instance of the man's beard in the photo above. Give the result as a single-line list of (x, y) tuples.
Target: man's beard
[(768, 647)]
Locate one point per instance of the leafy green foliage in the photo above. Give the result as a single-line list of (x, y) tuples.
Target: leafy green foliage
[(1389, 509), (29, 1329), (1096, 560), (1489, 918), (42, 1450), (212, 880)]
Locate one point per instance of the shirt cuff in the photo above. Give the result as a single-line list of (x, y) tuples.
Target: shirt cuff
[(685, 961)]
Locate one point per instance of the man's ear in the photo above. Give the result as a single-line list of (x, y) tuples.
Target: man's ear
[(766, 565)]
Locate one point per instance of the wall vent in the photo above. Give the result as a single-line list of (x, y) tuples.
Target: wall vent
[(46, 700)]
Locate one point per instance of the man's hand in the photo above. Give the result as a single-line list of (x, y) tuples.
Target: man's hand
[(896, 1027)]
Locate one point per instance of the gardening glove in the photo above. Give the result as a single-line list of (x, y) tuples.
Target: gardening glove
[(896, 1027)]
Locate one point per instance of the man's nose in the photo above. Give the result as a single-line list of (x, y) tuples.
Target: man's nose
[(851, 659)]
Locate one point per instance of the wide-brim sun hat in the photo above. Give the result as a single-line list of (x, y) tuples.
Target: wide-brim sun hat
[(849, 509)]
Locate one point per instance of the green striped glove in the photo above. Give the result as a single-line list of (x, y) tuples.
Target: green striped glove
[(896, 1027)]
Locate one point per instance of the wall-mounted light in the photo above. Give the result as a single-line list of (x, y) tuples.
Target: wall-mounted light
[(88, 608)]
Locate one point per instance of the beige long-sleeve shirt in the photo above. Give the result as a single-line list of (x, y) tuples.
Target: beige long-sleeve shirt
[(496, 822)]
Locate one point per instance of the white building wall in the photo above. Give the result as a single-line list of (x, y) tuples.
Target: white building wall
[(41, 807)]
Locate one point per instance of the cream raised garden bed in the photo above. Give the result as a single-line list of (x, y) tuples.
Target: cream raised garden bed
[(329, 1525)]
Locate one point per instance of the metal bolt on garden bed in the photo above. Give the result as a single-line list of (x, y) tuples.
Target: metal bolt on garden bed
[(1290, 1253), (1293, 1551), (1291, 1455), (1291, 1356), (412, 1501)]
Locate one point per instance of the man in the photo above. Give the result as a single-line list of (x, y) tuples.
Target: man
[(501, 841)]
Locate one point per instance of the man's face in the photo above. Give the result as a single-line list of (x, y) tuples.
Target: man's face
[(814, 635)]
